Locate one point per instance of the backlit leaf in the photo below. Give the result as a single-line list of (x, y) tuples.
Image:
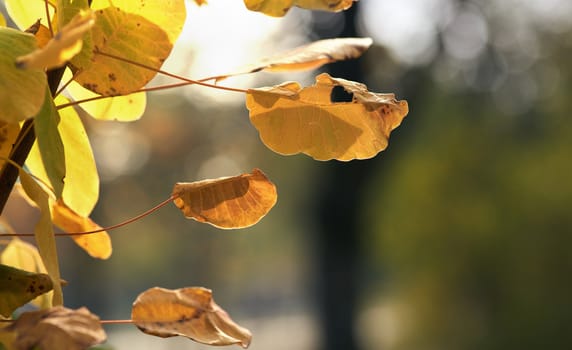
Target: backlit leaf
[(188, 312), (18, 287), (121, 108), (228, 202), (2, 20), (62, 47), (310, 56), (279, 8), (56, 328), (44, 233), (153, 25), (293, 120), (81, 189), (8, 134), (26, 13), (21, 92), (50, 144), (98, 245), (25, 256)]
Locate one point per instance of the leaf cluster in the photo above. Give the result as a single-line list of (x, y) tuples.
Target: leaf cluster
[(99, 55)]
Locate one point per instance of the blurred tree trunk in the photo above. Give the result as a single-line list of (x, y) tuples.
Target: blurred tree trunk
[(338, 234)]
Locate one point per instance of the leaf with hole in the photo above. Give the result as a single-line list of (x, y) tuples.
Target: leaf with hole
[(291, 119), (188, 312), (56, 328), (18, 287), (278, 8), (62, 47), (227, 202), (153, 25), (21, 91)]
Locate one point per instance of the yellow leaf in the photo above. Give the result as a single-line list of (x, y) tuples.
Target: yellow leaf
[(121, 108), (23, 255), (81, 189), (44, 233), (293, 120), (26, 13), (21, 92), (2, 20), (18, 287), (228, 202), (188, 312), (98, 245), (62, 47), (279, 8), (56, 328), (310, 56), (8, 134), (154, 25)]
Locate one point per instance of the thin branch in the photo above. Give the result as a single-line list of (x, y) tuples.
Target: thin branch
[(109, 228), (190, 81), (116, 321)]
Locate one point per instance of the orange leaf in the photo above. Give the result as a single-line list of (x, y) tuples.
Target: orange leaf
[(310, 56), (227, 202), (293, 120), (98, 245), (188, 312), (279, 8)]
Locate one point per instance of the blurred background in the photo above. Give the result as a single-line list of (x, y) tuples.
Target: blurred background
[(455, 237)]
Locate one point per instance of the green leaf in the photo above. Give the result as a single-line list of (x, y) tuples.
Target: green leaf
[(44, 233), (21, 91), (81, 189), (50, 144), (18, 287)]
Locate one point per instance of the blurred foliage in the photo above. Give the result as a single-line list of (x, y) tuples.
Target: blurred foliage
[(471, 218)]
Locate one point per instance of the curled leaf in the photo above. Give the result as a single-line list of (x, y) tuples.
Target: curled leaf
[(188, 312), (97, 245), (56, 328), (18, 287), (310, 56), (279, 8), (227, 202), (63, 46), (293, 120)]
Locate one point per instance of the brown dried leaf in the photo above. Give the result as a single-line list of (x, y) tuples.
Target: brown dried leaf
[(98, 245), (310, 56), (293, 120), (56, 328), (188, 312), (227, 202)]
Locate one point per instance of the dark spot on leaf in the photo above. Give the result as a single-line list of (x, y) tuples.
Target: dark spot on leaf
[(339, 94), (112, 77)]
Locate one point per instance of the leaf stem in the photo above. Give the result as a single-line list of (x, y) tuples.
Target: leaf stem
[(189, 81), (109, 228), (116, 321)]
